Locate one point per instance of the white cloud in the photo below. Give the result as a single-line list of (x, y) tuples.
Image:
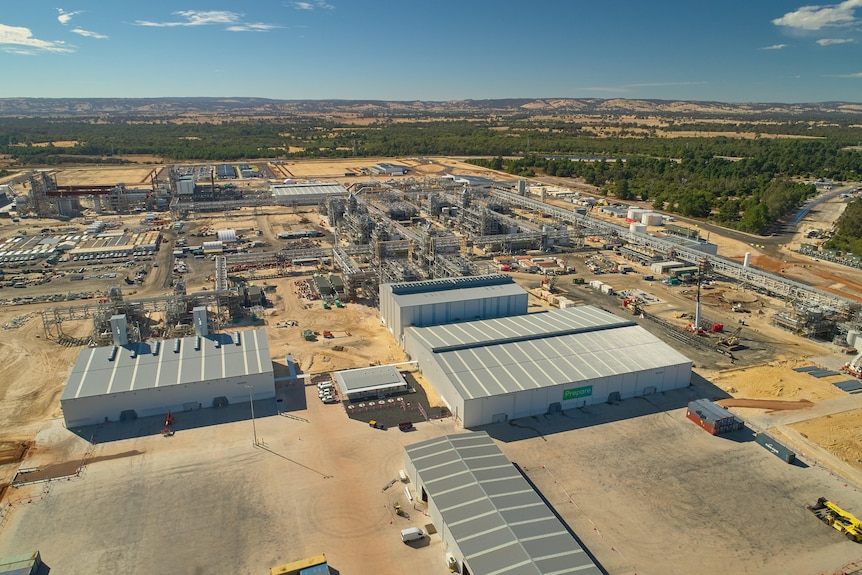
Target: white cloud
[(834, 41), (205, 18), (11, 37), (252, 27), (855, 75), (313, 5), (774, 47), (817, 17), (64, 16), (88, 34), (196, 18)]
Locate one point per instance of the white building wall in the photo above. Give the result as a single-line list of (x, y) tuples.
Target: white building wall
[(482, 411), (398, 318), (160, 400), (435, 375)]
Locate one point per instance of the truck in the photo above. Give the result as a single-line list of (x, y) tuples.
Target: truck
[(843, 521)]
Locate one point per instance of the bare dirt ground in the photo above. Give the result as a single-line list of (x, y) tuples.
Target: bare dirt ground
[(777, 380), (106, 176), (840, 434)]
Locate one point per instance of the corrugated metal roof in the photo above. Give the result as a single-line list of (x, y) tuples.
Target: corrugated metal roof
[(145, 365), (441, 284), (501, 525), (366, 378), (492, 357), (530, 326), (463, 294), (306, 189)]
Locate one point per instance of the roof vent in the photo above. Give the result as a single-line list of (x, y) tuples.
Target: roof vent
[(198, 343), (113, 355), (156, 347), (177, 345), (236, 339)]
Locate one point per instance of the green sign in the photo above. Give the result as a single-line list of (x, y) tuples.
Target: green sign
[(577, 392)]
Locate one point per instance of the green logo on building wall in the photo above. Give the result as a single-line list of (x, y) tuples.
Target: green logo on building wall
[(577, 392)]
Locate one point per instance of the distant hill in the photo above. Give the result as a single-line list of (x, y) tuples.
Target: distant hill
[(262, 107)]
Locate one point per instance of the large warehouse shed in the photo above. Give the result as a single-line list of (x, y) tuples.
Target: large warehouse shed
[(448, 300), (306, 194), (130, 380), (491, 520), (494, 370)]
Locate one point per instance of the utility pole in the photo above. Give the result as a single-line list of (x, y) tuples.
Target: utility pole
[(251, 403)]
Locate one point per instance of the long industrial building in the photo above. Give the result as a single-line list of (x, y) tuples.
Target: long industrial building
[(139, 379), (491, 520), (448, 300), (499, 369)]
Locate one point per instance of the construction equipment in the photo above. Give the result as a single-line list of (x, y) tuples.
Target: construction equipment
[(854, 367), (328, 335), (731, 341), (843, 521)]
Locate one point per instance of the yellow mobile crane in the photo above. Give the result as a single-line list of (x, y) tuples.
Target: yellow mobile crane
[(843, 521)]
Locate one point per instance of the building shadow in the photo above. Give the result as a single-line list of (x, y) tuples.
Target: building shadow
[(183, 420), (602, 413)]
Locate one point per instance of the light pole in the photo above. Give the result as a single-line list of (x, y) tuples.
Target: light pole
[(251, 403)]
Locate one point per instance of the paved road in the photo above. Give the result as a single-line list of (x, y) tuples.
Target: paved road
[(820, 409)]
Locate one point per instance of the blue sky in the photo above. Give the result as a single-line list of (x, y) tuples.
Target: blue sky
[(735, 51)]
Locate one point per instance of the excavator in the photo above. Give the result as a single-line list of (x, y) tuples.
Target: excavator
[(843, 521)]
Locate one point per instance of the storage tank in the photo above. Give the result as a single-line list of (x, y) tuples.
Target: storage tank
[(651, 219), (635, 214), (852, 337), (637, 228)]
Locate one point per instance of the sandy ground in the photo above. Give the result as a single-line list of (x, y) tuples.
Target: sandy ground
[(839, 434), (106, 176)]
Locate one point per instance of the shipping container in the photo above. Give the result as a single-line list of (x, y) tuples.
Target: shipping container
[(776, 448), (715, 417), (693, 416)]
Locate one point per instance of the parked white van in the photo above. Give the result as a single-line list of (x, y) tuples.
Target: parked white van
[(411, 534)]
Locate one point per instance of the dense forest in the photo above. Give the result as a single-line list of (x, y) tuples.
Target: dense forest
[(748, 194), (848, 233), (747, 183)]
